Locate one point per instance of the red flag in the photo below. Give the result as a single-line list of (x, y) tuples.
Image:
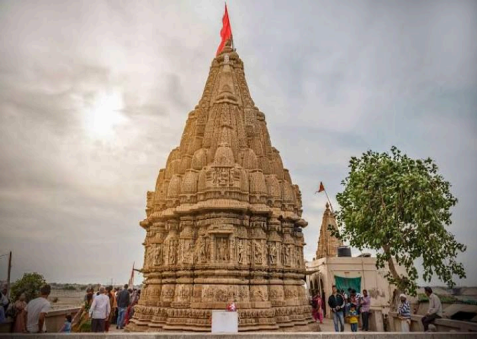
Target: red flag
[(225, 32), (321, 189)]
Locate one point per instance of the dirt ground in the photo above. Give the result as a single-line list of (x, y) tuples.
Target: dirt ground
[(66, 299)]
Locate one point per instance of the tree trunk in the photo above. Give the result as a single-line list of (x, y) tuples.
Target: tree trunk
[(392, 268)]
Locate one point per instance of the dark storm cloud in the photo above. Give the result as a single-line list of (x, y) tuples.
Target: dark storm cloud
[(334, 80)]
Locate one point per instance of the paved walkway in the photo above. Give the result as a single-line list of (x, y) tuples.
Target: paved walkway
[(328, 326)]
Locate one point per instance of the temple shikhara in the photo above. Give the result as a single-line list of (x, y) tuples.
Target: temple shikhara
[(327, 244), (224, 220)]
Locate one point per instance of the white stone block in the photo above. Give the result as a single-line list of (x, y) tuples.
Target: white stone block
[(224, 322)]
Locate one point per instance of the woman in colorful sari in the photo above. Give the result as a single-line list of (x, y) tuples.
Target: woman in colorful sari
[(130, 311), (317, 305), (82, 321), (20, 304)]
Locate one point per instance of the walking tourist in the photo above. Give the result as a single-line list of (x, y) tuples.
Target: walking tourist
[(365, 305), (19, 325), (317, 305), (99, 311), (353, 318), (435, 309), (404, 313), (82, 321), (123, 303), (36, 311), (336, 303)]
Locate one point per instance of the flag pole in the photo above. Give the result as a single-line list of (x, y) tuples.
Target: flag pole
[(321, 189), (331, 206), (230, 24)]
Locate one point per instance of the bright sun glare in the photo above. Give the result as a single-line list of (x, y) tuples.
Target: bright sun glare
[(104, 115)]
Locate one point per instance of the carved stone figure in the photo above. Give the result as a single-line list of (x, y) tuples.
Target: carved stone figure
[(272, 253), (158, 255), (241, 252), (173, 251), (258, 251), (222, 249)]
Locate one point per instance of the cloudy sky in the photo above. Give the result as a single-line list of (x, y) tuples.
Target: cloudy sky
[(95, 94)]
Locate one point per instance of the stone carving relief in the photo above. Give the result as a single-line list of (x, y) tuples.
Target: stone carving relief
[(172, 251), (222, 250), (272, 253), (241, 251), (158, 256), (201, 250), (187, 251), (258, 252)]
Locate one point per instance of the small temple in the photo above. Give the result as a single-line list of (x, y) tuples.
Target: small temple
[(327, 244), (334, 265), (224, 221)]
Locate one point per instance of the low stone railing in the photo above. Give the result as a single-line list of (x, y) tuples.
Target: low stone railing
[(54, 320), (442, 325)]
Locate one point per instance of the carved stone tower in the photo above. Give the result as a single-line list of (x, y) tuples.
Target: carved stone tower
[(327, 244), (224, 221)]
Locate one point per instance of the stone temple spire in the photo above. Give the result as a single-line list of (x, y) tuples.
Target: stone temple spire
[(327, 244), (224, 220)]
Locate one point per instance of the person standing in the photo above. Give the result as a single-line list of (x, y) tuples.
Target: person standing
[(365, 305), (353, 318), (20, 305), (435, 309), (82, 321), (112, 302), (36, 311), (4, 300), (318, 308), (404, 313), (336, 303), (99, 311), (123, 303)]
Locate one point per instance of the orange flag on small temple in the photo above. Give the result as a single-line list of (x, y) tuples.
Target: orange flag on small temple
[(321, 189), (225, 32)]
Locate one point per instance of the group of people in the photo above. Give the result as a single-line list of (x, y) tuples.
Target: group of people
[(27, 317), (350, 305), (104, 308), (98, 311), (433, 312)]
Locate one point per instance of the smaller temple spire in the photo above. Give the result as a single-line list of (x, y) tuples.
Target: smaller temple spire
[(327, 244)]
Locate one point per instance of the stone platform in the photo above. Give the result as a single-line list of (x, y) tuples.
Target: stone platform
[(291, 335)]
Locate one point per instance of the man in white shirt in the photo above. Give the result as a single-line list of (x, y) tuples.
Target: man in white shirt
[(99, 311), (37, 310), (435, 309)]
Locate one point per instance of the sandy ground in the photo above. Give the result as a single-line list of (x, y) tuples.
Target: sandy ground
[(66, 299)]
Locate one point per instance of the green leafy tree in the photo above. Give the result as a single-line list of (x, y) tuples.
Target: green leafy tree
[(29, 284), (400, 207)]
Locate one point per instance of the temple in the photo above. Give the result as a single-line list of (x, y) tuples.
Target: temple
[(327, 244), (224, 221)]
